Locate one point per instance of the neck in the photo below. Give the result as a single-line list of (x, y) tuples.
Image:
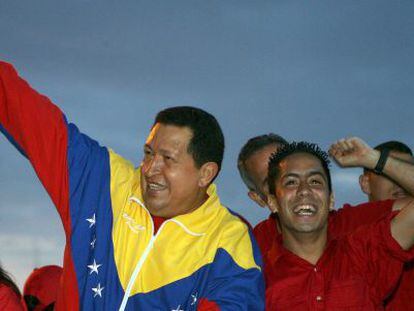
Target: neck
[(307, 245)]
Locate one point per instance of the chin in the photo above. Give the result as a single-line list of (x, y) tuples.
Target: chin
[(308, 228), (153, 206)]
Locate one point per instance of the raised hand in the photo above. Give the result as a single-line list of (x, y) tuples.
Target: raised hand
[(353, 152)]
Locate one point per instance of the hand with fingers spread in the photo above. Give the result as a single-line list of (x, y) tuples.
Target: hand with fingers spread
[(354, 152)]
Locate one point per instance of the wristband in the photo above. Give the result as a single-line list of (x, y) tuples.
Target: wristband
[(381, 161)]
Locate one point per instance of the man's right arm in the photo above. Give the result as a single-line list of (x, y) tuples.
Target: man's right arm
[(40, 131)]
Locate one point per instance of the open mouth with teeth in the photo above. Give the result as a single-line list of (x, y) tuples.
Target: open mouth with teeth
[(152, 186), (305, 210)]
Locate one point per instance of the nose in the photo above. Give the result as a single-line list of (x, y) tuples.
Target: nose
[(151, 166), (303, 189)]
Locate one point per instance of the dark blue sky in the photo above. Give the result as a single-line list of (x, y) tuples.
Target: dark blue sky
[(318, 71)]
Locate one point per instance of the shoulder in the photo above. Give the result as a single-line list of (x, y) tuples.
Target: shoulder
[(265, 227), (236, 239)]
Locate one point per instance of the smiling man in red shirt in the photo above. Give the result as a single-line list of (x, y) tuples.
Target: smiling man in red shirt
[(253, 166), (307, 268)]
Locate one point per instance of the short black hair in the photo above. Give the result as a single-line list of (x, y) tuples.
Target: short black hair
[(292, 148), (392, 145), (207, 143), (252, 146)]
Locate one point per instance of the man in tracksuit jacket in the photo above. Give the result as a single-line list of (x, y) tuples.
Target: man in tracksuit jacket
[(149, 238)]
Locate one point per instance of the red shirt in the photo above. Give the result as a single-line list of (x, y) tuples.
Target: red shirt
[(403, 297), (341, 221), (356, 272)]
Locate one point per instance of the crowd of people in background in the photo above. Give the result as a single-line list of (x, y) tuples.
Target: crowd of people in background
[(39, 292), (157, 236)]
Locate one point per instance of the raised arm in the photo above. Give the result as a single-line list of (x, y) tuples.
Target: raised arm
[(354, 152), (38, 129), (61, 156)]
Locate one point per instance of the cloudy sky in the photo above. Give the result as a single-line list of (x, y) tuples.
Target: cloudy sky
[(308, 70)]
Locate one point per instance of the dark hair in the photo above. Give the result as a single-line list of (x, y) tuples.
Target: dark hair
[(292, 148), (6, 279), (207, 143), (392, 145), (252, 146)]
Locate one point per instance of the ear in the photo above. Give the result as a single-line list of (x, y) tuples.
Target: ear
[(364, 184), (207, 172), (257, 198), (272, 203), (331, 201)]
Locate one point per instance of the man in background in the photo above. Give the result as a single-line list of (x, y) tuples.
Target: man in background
[(381, 187)]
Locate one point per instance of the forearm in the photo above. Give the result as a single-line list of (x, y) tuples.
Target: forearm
[(400, 171), (402, 226)]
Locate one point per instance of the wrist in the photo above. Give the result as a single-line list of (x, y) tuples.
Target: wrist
[(372, 159), (379, 167)]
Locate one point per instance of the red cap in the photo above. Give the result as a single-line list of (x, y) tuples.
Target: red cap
[(43, 283)]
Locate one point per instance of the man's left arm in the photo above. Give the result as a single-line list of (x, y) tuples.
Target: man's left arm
[(235, 280), (379, 251), (349, 218)]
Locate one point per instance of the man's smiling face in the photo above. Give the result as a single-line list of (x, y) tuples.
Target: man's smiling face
[(302, 195), (170, 178)]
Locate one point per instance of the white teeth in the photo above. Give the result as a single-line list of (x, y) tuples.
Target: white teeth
[(305, 210), (305, 213), (154, 186)]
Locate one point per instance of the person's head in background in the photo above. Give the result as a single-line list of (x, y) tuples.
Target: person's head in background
[(41, 288), (6, 279), (379, 187), (253, 164)]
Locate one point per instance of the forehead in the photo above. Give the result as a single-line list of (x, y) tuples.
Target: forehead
[(301, 164), (169, 137)]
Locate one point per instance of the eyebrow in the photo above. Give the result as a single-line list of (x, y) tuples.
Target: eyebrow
[(161, 151), (311, 173)]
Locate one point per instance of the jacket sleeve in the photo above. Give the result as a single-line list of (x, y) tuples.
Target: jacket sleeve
[(350, 218), (39, 130), (231, 286)]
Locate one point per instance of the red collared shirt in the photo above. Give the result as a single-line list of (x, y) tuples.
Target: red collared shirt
[(356, 272), (341, 221)]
